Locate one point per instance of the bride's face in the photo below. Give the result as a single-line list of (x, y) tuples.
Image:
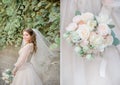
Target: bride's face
[(26, 37)]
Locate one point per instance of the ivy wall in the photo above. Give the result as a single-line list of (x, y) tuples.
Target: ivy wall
[(16, 15)]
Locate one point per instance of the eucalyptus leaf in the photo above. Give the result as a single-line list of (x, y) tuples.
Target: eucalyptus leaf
[(77, 13), (112, 33), (111, 26), (116, 41)]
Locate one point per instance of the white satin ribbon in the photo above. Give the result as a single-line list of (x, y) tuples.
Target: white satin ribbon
[(103, 68)]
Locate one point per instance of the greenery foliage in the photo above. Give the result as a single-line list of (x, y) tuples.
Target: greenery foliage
[(16, 15)]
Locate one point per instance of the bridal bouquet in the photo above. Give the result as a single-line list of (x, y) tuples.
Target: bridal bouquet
[(7, 76), (90, 34)]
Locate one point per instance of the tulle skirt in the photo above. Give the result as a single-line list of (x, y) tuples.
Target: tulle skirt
[(26, 75)]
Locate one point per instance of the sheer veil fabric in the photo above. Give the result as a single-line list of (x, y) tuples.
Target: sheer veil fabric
[(43, 52), (79, 71)]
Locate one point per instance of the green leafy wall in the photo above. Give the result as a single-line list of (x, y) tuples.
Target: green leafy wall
[(16, 15)]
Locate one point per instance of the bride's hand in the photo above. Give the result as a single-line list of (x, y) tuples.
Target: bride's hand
[(14, 71)]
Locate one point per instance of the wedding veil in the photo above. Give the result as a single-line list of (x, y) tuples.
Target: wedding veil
[(43, 54)]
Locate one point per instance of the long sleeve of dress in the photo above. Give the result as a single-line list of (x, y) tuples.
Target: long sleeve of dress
[(23, 55)]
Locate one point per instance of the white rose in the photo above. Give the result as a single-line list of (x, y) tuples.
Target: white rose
[(95, 39), (101, 48), (8, 70), (71, 27), (108, 40), (87, 16), (103, 29), (103, 18), (92, 24), (83, 32), (77, 19), (3, 74)]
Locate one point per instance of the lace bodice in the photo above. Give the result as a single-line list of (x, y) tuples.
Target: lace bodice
[(25, 55)]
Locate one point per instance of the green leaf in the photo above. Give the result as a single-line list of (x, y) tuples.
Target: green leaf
[(6, 1), (57, 40), (116, 41), (111, 26), (10, 11), (53, 46), (112, 33), (77, 13)]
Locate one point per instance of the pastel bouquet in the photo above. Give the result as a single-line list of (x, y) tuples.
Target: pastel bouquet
[(90, 34), (7, 76)]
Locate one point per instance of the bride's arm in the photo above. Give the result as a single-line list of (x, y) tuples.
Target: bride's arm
[(22, 57)]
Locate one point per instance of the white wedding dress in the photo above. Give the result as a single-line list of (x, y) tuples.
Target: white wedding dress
[(26, 74), (99, 71)]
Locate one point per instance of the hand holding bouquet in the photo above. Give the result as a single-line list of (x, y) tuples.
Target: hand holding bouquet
[(7, 76)]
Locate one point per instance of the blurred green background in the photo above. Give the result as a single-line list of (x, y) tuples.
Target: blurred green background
[(16, 15)]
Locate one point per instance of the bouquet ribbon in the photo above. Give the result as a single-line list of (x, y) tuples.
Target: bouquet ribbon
[(103, 68)]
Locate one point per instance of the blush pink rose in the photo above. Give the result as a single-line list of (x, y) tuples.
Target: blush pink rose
[(103, 29), (83, 32), (71, 27), (87, 16), (108, 40), (77, 19)]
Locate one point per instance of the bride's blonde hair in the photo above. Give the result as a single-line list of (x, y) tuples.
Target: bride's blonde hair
[(33, 37)]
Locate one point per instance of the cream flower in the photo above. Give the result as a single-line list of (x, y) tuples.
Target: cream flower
[(83, 32), (95, 39), (3, 74), (108, 40), (92, 24), (71, 27), (103, 29), (103, 18), (87, 16)]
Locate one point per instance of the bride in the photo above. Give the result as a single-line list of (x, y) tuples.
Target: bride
[(99, 71), (27, 68)]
